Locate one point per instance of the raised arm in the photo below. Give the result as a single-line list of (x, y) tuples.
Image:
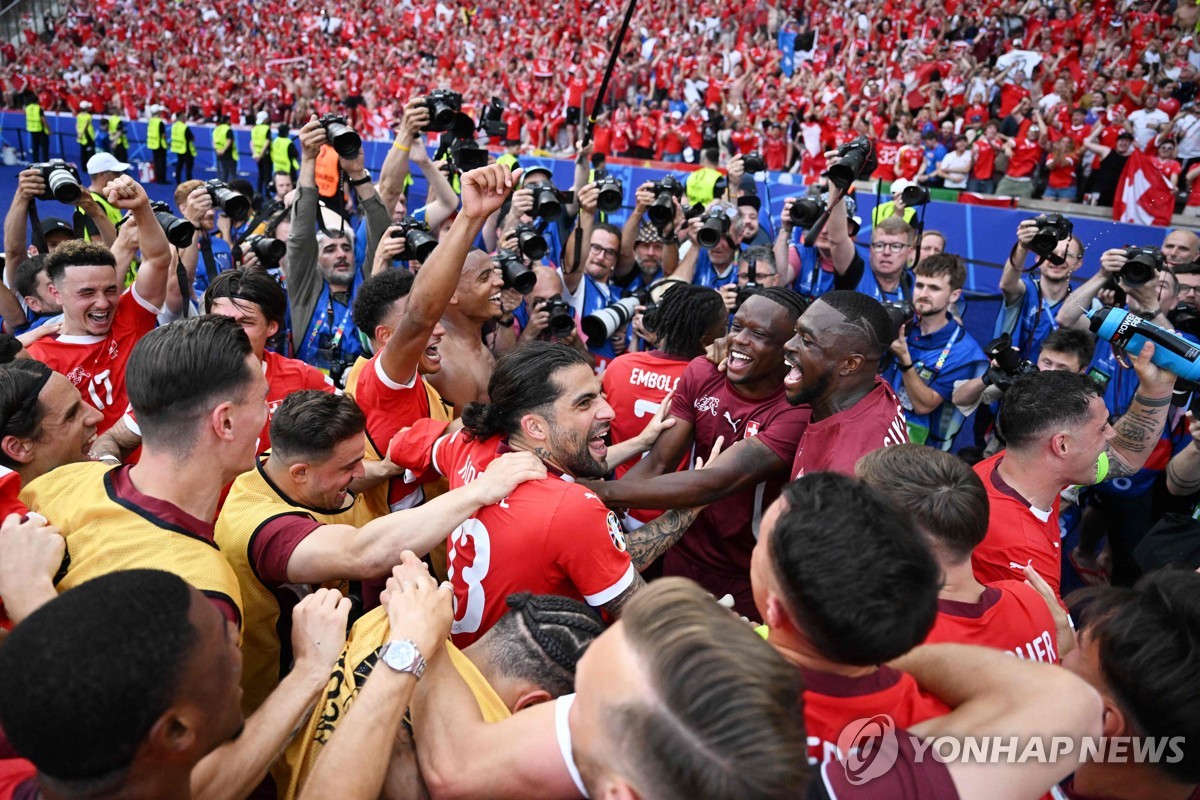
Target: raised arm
[(1139, 429), (30, 184), (151, 283), (1071, 314)]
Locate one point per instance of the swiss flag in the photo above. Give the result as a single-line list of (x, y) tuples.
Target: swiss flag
[(1143, 194)]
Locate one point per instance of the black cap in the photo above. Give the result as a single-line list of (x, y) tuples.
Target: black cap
[(57, 225), (752, 200)]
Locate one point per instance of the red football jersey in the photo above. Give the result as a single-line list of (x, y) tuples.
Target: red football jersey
[(836, 443), (10, 488), (715, 552), (908, 162), (390, 406), (1009, 616), (831, 702), (284, 377), (548, 537), (1017, 534), (96, 364)]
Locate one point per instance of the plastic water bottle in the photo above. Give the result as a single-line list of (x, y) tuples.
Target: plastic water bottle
[(1130, 332)]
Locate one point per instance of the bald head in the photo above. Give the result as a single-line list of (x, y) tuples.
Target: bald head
[(1180, 247), (548, 286)]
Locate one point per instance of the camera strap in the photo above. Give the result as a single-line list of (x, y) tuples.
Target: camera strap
[(184, 293), (39, 239), (210, 263)]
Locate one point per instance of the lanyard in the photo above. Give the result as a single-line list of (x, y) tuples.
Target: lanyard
[(337, 334), (945, 354)]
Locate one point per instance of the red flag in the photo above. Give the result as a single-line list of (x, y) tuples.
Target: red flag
[(1144, 195)]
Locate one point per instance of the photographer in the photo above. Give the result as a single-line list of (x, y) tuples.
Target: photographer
[(652, 252), (540, 312), (32, 186), (1032, 305), (1064, 348), (322, 278), (208, 253), (590, 289), (756, 270), (935, 354), (811, 270), (716, 266)]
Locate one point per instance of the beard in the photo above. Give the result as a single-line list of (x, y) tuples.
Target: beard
[(808, 394), (573, 455)]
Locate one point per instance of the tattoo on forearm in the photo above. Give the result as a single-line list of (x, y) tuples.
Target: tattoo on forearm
[(1187, 485), (1149, 403), (1137, 432), (654, 538)]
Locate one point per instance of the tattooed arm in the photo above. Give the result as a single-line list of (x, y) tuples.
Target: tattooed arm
[(1139, 430), (1183, 473)]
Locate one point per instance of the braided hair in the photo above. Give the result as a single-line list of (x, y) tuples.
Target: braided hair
[(683, 316), (542, 638)]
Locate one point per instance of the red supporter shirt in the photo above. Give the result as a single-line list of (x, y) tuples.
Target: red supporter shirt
[(1025, 158), (10, 487), (548, 537), (390, 406), (96, 364), (887, 153), (1017, 534), (775, 153), (836, 443), (715, 552), (1009, 616), (286, 376), (908, 162), (1063, 177), (985, 159), (831, 702)]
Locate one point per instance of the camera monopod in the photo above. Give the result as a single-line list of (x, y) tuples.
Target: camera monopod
[(810, 239), (591, 120)]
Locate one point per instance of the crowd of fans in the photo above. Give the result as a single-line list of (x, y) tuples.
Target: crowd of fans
[(1063, 84), (309, 492)]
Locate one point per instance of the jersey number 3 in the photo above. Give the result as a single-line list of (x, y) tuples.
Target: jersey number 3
[(468, 537)]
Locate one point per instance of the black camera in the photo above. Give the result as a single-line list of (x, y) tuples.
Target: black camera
[(666, 192), (611, 192), (1185, 318), (562, 322), (1051, 229), (179, 231), (1008, 363), (900, 312), (62, 181), (232, 204), (753, 162), (418, 241), (516, 274), (804, 212), (341, 136), (531, 243), (1141, 265), (547, 203), (604, 324), (445, 114), (267, 249), (752, 284), (491, 118), (467, 155), (331, 354), (914, 195), (856, 159), (714, 226)]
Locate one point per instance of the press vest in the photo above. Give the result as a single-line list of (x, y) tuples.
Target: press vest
[(33, 118)]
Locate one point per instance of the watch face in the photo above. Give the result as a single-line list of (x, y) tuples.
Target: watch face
[(399, 655)]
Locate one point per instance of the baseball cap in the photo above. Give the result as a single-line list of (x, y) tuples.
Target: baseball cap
[(751, 200), (1125, 135), (105, 162), (900, 185), (262, 117), (648, 234), (535, 168), (57, 225), (676, 115), (85, 104)]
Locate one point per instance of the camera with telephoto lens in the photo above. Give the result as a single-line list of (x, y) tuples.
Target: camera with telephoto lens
[(753, 162), (531, 243), (855, 160), (491, 118), (752, 284), (1051, 229), (914, 195), (516, 274), (805, 212), (547, 202), (62, 181), (1185, 318), (562, 322), (232, 204), (267, 249), (612, 192), (900, 312), (467, 154), (418, 241), (666, 192), (714, 226), (604, 324), (1008, 363), (445, 114), (341, 136), (179, 231), (1141, 265)]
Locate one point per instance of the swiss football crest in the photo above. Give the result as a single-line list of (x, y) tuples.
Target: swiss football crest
[(751, 429), (615, 532)]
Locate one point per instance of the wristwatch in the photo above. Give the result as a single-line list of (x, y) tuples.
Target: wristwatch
[(402, 655)]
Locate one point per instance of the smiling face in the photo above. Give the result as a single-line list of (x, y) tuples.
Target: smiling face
[(478, 294), (757, 336), (814, 355), (1086, 442), (89, 298), (67, 431), (327, 482), (578, 423), (251, 319)]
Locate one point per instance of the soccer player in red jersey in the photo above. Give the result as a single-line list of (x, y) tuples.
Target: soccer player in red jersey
[(100, 323), (552, 536), (834, 361), (687, 320), (949, 507), (1056, 428), (747, 407)]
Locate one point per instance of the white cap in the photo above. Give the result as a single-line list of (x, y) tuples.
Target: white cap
[(105, 162), (676, 115), (900, 185), (85, 104), (262, 117)]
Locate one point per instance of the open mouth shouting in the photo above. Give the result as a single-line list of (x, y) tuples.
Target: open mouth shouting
[(598, 443), (795, 374), (739, 361)]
